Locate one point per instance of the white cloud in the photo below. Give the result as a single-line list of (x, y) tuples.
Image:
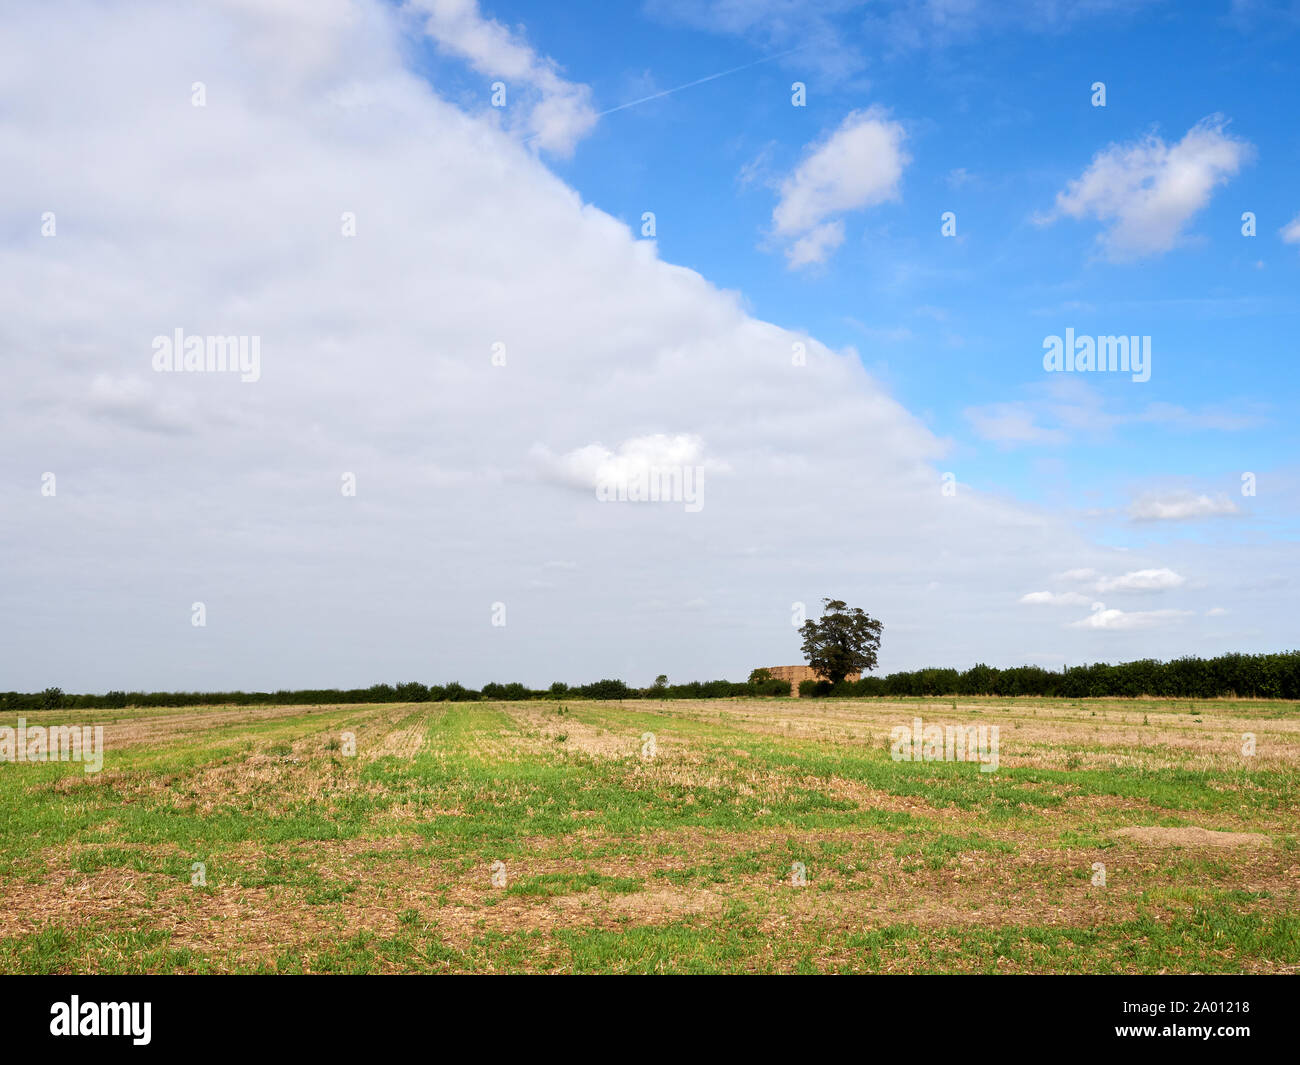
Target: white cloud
[(586, 466), (859, 165), (1181, 506), (1291, 231), (561, 112), (1054, 599), (1142, 580), (1146, 192), (376, 360), (1102, 618)]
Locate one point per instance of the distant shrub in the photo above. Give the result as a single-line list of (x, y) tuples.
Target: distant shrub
[(606, 689), (770, 686)]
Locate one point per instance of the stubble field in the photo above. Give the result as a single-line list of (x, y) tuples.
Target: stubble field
[(541, 836)]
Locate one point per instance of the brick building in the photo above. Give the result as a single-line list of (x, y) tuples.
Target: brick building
[(795, 674)]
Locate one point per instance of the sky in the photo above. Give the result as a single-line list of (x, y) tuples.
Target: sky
[(498, 267)]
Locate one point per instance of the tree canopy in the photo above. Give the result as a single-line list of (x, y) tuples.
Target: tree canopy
[(844, 641)]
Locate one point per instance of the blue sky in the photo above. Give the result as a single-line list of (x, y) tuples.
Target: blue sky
[(458, 316), (999, 118)]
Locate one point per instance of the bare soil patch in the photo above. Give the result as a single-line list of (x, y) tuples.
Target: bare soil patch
[(1192, 837)]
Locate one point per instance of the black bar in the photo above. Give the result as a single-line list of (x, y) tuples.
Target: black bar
[(332, 1014)]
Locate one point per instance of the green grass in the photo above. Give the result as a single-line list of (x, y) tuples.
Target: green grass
[(383, 862)]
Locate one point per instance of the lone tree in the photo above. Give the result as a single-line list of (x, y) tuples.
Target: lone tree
[(844, 641)]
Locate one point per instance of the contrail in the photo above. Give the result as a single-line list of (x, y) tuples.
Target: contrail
[(690, 84), (699, 81)]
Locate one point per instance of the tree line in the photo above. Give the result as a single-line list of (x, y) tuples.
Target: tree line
[(1259, 676), (408, 692)]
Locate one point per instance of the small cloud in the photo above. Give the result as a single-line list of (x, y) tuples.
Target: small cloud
[(586, 467), (1101, 618), (1146, 192), (1182, 506), (859, 165), (1054, 599), (1142, 580), (1291, 231), (758, 170), (1078, 575), (1215, 612)]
